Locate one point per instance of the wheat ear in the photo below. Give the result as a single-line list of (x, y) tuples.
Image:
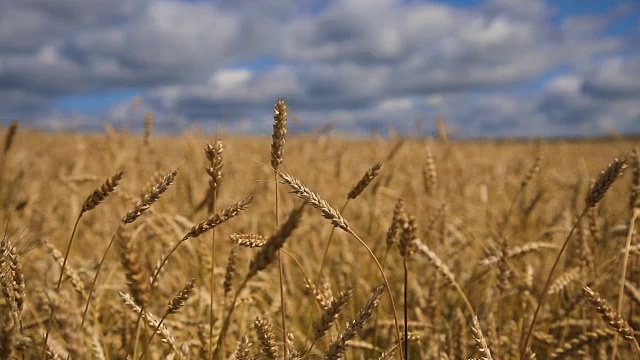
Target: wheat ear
[(248, 240), (570, 347), (148, 128), (230, 271), (173, 306), (243, 349), (366, 179), (101, 193), (279, 132), (217, 219), (267, 338), (481, 342), (330, 315), (339, 346), (535, 168), (149, 198), (136, 273), (12, 280), (429, 174), (604, 182), (611, 317), (11, 134), (152, 322)]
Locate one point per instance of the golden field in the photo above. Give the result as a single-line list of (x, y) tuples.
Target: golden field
[(481, 226)]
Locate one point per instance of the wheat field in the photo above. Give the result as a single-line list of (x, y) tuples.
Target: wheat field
[(317, 246)]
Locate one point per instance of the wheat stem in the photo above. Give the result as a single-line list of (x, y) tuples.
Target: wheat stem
[(623, 276), (386, 283), (545, 289), (59, 283)]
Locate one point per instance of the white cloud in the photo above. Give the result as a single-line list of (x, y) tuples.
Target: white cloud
[(229, 79)]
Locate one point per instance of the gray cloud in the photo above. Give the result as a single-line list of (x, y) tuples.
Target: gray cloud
[(614, 78), (360, 63)]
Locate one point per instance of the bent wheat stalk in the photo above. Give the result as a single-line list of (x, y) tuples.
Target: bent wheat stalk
[(355, 191), (337, 220)]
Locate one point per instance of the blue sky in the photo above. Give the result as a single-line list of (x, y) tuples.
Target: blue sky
[(490, 68)]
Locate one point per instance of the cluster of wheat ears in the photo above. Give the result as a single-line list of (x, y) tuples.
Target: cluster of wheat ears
[(438, 250)]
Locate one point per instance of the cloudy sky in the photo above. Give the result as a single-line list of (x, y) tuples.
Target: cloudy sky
[(489, 68)]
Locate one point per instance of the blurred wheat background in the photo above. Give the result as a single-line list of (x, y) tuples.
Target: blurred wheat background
[(457, 226)]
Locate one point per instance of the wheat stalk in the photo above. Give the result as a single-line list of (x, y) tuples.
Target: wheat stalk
[(602, 184), (214, 155), (10, 136), (148, 128), (634, 194), (265, 256), (337, 220), (173, 306), (152, 322)]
